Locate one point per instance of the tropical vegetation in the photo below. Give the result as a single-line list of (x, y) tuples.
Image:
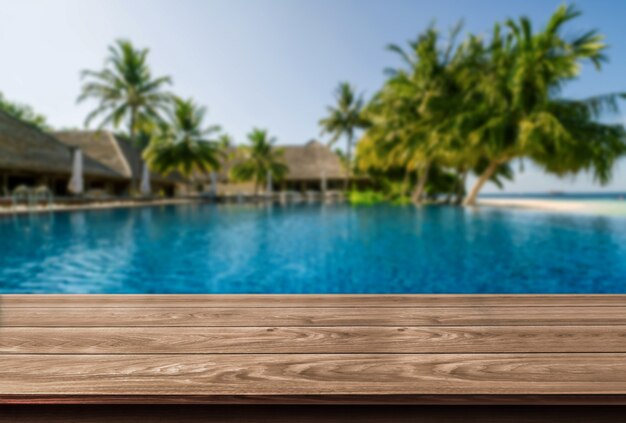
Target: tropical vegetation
[(182, 143), (23, 112), (259, 160), (455, 107), (343, 120), (125, 90), (479, 105)]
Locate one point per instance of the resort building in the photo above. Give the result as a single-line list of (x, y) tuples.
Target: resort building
[(311, 167), (119, 156), (29, 157), (112, 167)]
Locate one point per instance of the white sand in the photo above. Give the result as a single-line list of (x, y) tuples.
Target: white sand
[(598, 207)]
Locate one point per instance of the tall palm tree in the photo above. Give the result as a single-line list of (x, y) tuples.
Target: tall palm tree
[(183, 143), (517, 111), (259, 159), (225, 141), (125, 90), (343, 120), (410, 115)]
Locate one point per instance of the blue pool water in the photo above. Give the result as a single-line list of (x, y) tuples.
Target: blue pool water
[(311, 249)]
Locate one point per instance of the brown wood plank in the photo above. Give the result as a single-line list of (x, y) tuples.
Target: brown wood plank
[(312, 399), (309, 300), (304, 374), (186, 340), (452, 316)]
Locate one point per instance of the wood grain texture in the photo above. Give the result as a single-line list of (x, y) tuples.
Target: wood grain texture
[(404, 349), (308, 300), (327, 340), (331, 374), (256, 317)]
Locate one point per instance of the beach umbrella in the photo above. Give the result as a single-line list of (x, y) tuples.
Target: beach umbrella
[(77, 184), (323, 184), (145, 188), (268, 189)]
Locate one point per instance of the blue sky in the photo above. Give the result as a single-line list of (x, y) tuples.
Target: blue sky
[(265, 63)]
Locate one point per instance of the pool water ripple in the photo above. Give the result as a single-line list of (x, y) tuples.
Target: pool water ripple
[(312, 249)]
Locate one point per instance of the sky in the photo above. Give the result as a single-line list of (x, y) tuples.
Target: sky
[(268, 63)]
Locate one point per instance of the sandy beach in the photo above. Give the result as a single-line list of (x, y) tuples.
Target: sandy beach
[(597, 207)]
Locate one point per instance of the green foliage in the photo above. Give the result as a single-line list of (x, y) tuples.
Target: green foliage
[(410, 125), (182, 143), (475, 106), (366, 198), (520, 112), (23, 112), (254, 162), (225, 141), (401, 201), (371, 197), (344, 119), (125, 89)]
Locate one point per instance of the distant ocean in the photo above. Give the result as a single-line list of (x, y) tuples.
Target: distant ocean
[(619, 196)]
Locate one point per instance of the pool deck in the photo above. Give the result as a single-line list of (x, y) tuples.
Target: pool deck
[(313, 349)]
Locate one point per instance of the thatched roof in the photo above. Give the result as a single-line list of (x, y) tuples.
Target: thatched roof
[(116, 153), (99, 146), (24, 147), (134, 159), (312, 160), (305, 162)]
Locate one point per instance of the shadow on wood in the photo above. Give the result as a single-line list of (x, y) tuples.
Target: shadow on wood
[(305, 414)]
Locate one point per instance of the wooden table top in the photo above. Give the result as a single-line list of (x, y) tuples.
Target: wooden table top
[(541, 349)]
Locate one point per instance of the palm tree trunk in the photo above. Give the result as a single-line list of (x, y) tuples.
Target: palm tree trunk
[(131, 132), (422, 178), (405, 183), (347, 183), (470, 200), (461, 188)]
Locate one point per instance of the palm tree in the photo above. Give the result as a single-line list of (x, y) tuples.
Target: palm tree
[(259, 160), (125, 90), (516, 110), (410, 116), (477, 106), (343, 120), (225, 142), (183, 143)]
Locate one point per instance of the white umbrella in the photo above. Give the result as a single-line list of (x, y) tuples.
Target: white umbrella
[(77, 184), (268, 189), (145, 180)]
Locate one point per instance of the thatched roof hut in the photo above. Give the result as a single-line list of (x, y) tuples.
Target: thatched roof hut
[(25, 148), (306, 162), (112, 151), (99, 146), (310, 166), (312, 161)]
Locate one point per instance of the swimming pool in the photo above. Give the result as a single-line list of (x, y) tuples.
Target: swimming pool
[(311, 249)]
